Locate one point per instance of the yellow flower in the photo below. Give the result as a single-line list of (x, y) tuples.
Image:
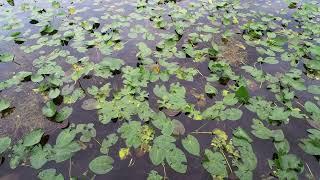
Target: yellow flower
[(221, 134), (225, 93), (124, 153), (77, 68)]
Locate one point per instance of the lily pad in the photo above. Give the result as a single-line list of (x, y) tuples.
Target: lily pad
[(4, 104), (101, 164), (33, 137), (50, 109), (6, 57), (191, 144), (4, 144)]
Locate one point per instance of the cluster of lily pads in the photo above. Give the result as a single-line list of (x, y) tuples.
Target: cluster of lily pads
[(174, 44)]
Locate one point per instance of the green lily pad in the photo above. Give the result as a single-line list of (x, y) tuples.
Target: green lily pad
[(6, 57), (33, 137), (4, 144), (191, 144), (101, 164), (4, 104), (50, 109)]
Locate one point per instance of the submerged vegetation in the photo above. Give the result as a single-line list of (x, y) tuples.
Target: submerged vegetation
[(209, 89)]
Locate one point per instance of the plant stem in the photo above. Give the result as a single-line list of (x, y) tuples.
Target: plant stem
[(310, 172), (226, 160), (70, 166), (196, 132), (97, 141), (300, 104), (164, 172), (201, 127)]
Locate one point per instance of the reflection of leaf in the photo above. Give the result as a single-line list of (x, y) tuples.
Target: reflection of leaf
[(89, 104), (191, 144), (101, 164), (178, 128)]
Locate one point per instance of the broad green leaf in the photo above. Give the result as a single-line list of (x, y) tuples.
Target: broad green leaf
[(242, 94), (38, 157), (230, 99), (177, 160), (65, 137), (157, 155), (4, 144), (6, 57), (50, 174), (154, 175), (37, 78), (215, 164), (4, 104), (311, 107), (33, 137), (209, 89), (131, 133), (279, 114), (50, 109), (87, 130), (191, 144), (109, 141), (314, 89), (101, 164), (311, 145), (63, 114), (231, 114), (53, 93)]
